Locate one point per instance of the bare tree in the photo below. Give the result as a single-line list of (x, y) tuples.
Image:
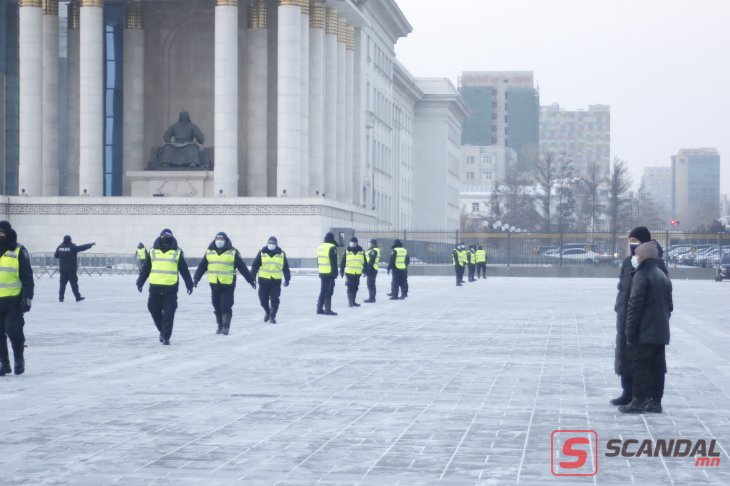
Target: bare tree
[(618, 192), (519, 202), (591, 205), (545, 177)]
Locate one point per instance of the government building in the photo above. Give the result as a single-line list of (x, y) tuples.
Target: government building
[(255, 117)]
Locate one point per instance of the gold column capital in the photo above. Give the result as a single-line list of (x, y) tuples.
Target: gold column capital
[(333, 21), (342, 30), (226, 3), (317, 14), (92, 3), (305, 6), (31, 3), (50, 7), (74, 18), (133, 15), (350, 44), (257, 15)]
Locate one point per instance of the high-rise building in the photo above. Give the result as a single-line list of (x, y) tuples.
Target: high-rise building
[(582, 136), (485, 166), (504, 110), (696, 186), (656, 185)]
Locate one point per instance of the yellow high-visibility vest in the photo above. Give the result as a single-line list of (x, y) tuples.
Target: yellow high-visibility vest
[(164, 267), (472, 258), (10, 284), (272, 267), (221, 268), (481, 256), (141, 254), (377, 257), (462, 257), (323, 258), (354, 263), (400, 258)]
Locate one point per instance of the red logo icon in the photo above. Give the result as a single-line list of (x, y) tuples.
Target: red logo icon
[(574, 453)]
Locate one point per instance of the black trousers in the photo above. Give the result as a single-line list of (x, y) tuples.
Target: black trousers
[(11, 325), (472, 270), (269, 293), (371, 278), (481, 270), (352, 282), (222, 297), (69, 276), (459, 273), (649, 365), (162, 308), (326, 289), (399, 282)]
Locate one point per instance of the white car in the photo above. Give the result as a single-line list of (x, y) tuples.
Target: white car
[(581, 255)]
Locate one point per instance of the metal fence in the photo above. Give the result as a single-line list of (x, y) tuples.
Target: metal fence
[(553, 249)]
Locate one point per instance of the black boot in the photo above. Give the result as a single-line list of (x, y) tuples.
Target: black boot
[(654, 405), (328, 307), (624, 399), (18, 349), (4, 357), (226, 321), (273, 314), (220, 324), (5, 368), (637, 405), (267, 315), (79, 298), (320, 306)]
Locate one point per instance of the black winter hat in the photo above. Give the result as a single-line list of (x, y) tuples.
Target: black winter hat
[(641, 233), (374, 242), (330, 238), (166, 232), (397, 244), (272, 239), (5, 226), (353, 240), (67, 239), (221, 234)]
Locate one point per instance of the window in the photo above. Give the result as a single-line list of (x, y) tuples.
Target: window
[(470, 159), (470, 176), (475, 207)]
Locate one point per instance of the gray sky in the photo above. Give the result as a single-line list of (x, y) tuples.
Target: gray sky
[(662, 65)]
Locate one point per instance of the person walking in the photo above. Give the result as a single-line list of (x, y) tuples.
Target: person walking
[(481, 255), (459, 259), (16, 297), (622, 356), (272, 267), (327, 269), (68, 266), (141, 254), (398, 264), (221, 260), (371, 269), (471, 260), (353, 265), (647, 330), (164, 264)]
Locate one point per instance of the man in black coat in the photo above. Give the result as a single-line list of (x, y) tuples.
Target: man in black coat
[(647, 330), (398, 264), (327, 270), (353, 265), (272, 267), (622, 358), (222, 278), (164, 262), (68, 265), (371, 269), (16, 297)]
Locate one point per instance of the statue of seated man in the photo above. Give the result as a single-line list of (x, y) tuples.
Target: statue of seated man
[(181, 147)]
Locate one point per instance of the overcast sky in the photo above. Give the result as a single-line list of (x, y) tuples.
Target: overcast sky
[(662, 65)]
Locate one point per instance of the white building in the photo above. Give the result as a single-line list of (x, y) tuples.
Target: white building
[(656, 183), (484, 166)]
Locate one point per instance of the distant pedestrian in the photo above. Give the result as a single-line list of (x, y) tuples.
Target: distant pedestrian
[(371, 269), (272, 268), (647, 330), (471, 261), (141, 254), (459, 259), (327, 269), (353, 265), (68, 265), (481, 262), (398, 264)]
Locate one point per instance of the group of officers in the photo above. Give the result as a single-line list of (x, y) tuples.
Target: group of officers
[(474, 260), (164, 264)]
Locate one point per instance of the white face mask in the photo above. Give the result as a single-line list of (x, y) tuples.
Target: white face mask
[(220, 243), (635, 261), (271, 246), (353, 244)]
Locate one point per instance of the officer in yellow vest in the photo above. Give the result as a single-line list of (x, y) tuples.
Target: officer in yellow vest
[(398, 264), (163, 264), (272, 268), (327, 269), (459, 259), (371, 269), (141, 254), (221, 261), (471, 261), (353, 265), (16, 296), (481, 262)]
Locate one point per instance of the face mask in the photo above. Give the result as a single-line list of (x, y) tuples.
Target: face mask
[(271, 247), (220, 243), (353, 245), (635, 261), (633, 247)]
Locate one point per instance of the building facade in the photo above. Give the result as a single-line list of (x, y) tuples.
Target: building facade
[(656, 185), (582, 136), (485, 166), (696, 186), (504, 110)]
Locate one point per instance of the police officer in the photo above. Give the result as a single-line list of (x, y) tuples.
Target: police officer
[(141, 254), (471, 261), (398, 264), (68, 265), (221, 261), (163, 264), (481, 254), (16, 295), (459, 259), (371, 269), (353, 264), (327, 268), (272, 267)]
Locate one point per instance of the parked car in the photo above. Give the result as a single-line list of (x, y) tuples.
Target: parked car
[(723, 268), (581, 255)]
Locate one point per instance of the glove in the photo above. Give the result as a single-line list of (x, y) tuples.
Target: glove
[(24, 306), (286, 283), (253, 285), (139, 287), (190, 291)]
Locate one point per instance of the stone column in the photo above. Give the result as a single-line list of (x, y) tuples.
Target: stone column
[(257, 60), (342, 193), (30, 169), (91, 98), (330, 104), (289, 59), (226, 99), (50, 98), (133, 150), (317, 18), (350, 186), (72, 115), (304, 100)]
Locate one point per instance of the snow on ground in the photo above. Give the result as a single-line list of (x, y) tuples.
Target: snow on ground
[(462, 385)]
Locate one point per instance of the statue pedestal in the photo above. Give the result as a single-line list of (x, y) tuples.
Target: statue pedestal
[(171, 183)]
